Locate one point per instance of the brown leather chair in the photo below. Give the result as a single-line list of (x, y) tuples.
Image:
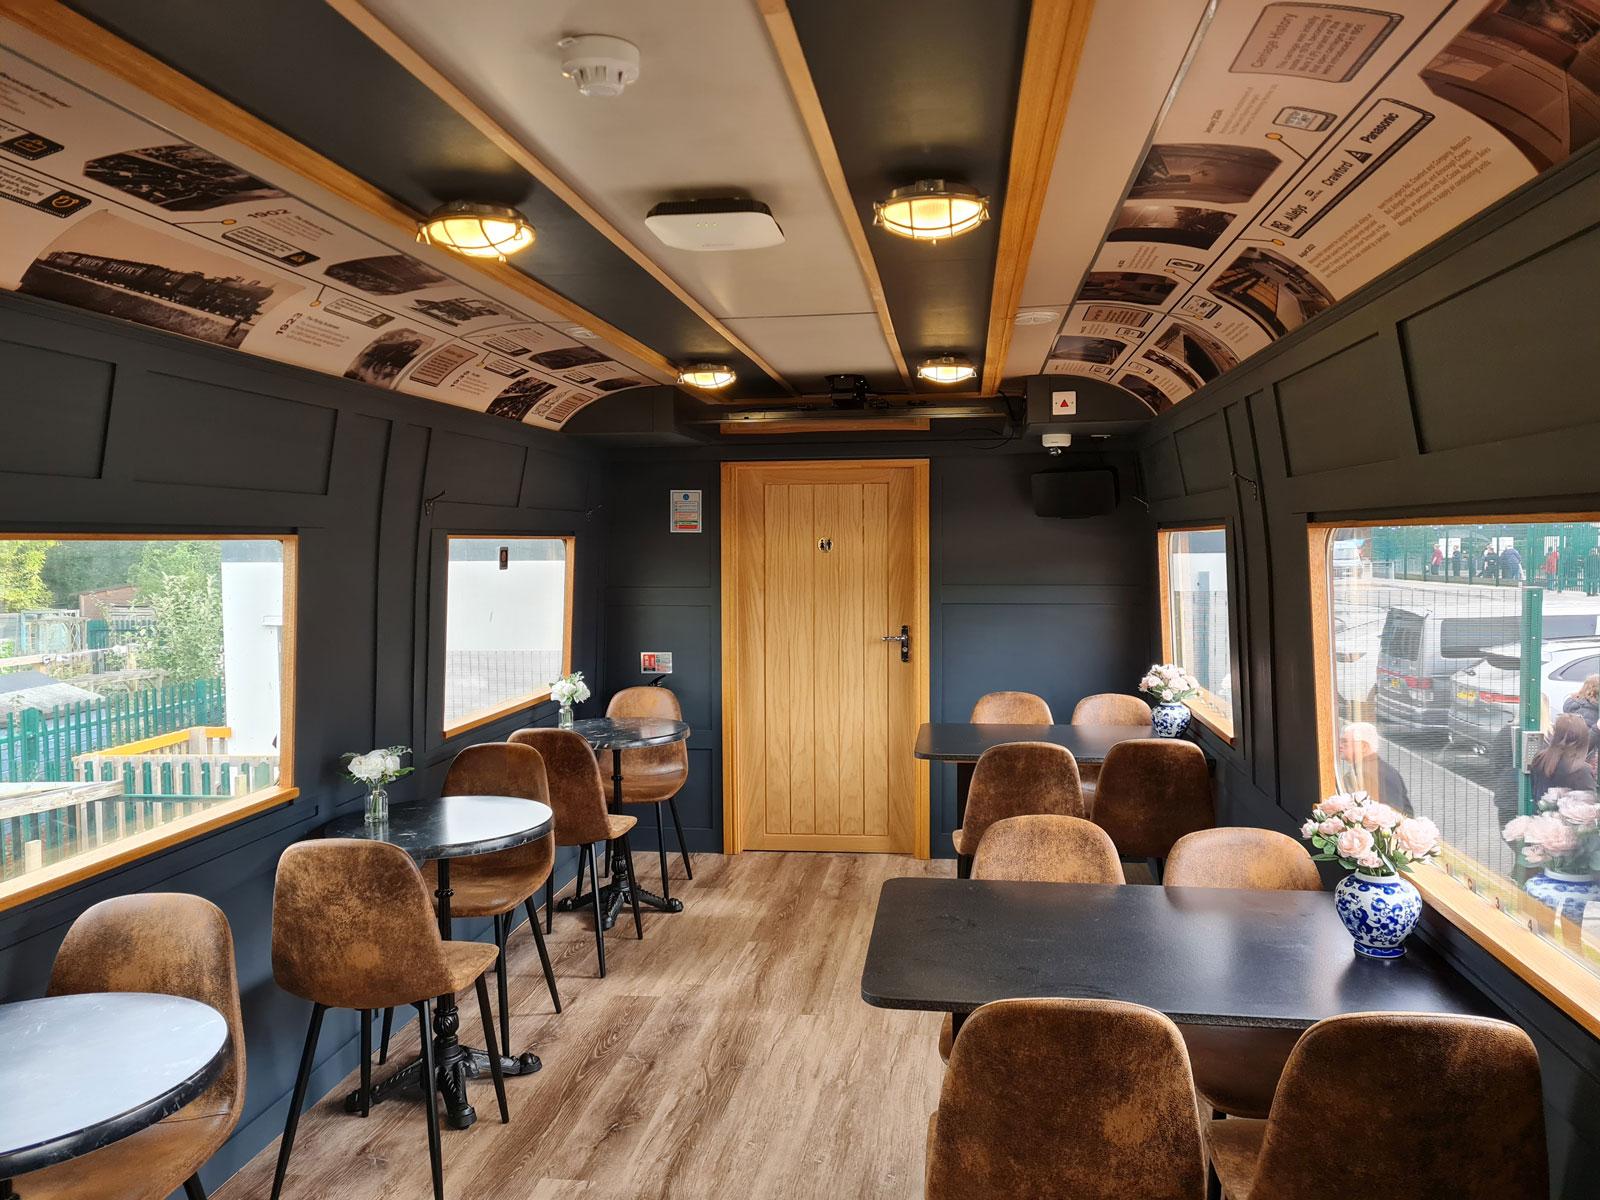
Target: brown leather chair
[(1105, 708), (1042, 849), (1236, 1069), (578, 799), (1066, 1100), (1015, 780), (652, 774), (1439, 1108), (492, 885), (353, 926), (175, 945), (1011, 708), (1152, 791)]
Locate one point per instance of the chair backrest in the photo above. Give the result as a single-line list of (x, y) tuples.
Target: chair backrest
[(1151, 792), (1451, 1105), (1111, 708), (1066, 1100), (1233, 857), (164, 942), (648, 760), (353, 926), (577, 794), (506, 769), (1011, 708), (1019, 779), (1047, 849)]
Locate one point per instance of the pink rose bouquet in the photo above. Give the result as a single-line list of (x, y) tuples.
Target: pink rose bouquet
[(1169, 683), (1563, 834), (1363, 834)]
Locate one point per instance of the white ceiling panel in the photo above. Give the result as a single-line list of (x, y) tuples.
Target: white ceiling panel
[(805, 349)]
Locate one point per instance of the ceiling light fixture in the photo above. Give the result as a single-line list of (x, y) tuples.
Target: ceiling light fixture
[(477, 230), (947, 368), (708, 377), (931, 210)]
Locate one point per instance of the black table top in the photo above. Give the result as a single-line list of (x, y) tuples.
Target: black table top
[(965, 742), (629, 733), (452, 826), (1209, 956), (81, 1072)]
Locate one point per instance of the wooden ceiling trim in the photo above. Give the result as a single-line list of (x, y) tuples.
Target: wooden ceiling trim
[(786, 42), (1056, 33), (425, 73), (882, 425), (81, 37)]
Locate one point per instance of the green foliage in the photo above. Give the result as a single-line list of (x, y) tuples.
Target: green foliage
[(182, 583), (21, 584), (75, 567)]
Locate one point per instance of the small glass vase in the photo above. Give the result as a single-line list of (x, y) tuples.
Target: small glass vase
[(565, 720), (377, 805)]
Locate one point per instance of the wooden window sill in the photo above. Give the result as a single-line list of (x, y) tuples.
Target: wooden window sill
[(490, 716)]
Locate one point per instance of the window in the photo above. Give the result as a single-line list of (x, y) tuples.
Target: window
[(508, 625), (1451, 655), (144, 696), (1194, 618)]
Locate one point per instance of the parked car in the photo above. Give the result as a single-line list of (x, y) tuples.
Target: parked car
[(1419, 653), (1487, 695), (1347, 561), (1356, 637)]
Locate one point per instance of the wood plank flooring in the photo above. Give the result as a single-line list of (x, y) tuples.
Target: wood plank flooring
[(728, 1055)]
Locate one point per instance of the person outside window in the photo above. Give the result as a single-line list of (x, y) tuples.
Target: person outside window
[(1585, 704), (1436, 562), (1564, 761), (1510, 564), (1365, 770), (1552, 569), (1491, 563)]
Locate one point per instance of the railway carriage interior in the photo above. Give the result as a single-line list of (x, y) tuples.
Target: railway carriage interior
[(793, 598)]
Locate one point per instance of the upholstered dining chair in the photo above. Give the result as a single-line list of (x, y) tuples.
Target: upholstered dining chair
[(493, 885), (176, 945), (1236, 1069), (1066, 1100), (1040, 849), (1015, 780), (578, 800), (353, 926), (1447, 1108), (1105, 708), (1011, 708), (1152, 791), (652, 774)]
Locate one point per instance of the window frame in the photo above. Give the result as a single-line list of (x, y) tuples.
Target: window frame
[(528, 700), (1447, 887), (1211, 712), (101, 860)]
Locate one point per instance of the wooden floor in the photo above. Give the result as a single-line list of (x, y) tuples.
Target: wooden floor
[(729, 1054)]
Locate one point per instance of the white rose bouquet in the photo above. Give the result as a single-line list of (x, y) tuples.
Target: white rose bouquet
[(1169, 683), (377, 768), (569, 690), (1364, 835)]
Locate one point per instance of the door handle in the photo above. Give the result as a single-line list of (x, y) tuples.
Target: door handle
[(904, 638)]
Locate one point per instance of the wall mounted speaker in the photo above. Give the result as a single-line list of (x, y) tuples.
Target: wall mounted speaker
[(1082, 493)]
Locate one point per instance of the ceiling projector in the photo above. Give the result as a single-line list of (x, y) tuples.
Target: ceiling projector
[(729, 224)]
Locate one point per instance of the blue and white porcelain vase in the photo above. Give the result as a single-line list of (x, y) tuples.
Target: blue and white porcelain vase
[(1170, 719), (1566, 894), (1380, 911)]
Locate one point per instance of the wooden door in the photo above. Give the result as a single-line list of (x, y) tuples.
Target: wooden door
[(821, 561)]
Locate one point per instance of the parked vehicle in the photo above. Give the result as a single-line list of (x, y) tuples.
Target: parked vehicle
[(1356, 639), (1419, 653), (1347, 561), (1486, 696)]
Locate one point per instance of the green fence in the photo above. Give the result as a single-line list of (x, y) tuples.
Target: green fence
[(39, 744)]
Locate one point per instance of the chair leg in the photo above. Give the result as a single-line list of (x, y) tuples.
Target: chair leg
[(599, 928), (544, 954), (388, 1027), (633, 888), (661, 850), (493, 1050), (963, 866), (1156, 866), (683, 846), (1213, 1184), (297, 1098), (366, 1061), (430, 1096), (502, 931), (550, 902), (193, 1189)]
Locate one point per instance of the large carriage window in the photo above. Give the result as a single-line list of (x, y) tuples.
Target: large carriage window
[(508, 618), (1464, 686), (1194, 618), (143, 696)]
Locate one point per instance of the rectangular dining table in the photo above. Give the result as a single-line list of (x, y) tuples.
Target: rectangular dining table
[(1209, 956)]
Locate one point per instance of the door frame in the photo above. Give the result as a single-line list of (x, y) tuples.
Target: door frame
[(921, 636)]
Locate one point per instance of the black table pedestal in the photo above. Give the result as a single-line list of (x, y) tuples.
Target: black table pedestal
[(454, 1062), (623, 887)]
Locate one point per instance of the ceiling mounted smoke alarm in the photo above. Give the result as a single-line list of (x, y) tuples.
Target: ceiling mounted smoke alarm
[(600, 65)]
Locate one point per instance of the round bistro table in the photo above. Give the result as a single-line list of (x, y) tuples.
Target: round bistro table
[(439, 830), (83, 1071), (617, 734)]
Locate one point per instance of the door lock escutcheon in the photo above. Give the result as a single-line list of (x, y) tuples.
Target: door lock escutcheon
[(904, 638)]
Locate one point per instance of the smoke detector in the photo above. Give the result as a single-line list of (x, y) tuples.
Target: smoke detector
[(1036, 316), (598, 64), (731, 224)]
